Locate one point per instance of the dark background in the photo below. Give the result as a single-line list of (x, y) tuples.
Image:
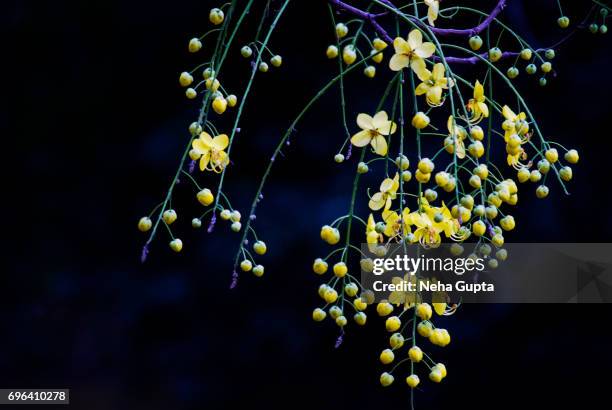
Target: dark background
[(93, 125)]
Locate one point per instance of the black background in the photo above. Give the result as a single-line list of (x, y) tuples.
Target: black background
[(94, 123)]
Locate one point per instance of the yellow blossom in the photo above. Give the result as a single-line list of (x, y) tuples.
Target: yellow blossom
[(456, 136), (407, 52), (210, 151), (431, 223), (373, 130), (394, 223), (388, 192), (477, 105), (433, 6), (433, 82)]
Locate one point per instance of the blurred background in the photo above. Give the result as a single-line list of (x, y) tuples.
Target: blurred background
[(94, 123)]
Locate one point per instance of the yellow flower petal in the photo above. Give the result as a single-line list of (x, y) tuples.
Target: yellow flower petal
[(399, 61), (415, 39), (376, 202), (426, 50), (386, 185), (380, 145), (421, 89), (199, 146), (508, 113), (220, 142), (379, 119), (206, 139), (204, 161), (365, 122), (434, 95), (438, 71), (484, 109), (420, 69), (439, 308), (361, 139), (401, 46), (478, 92)]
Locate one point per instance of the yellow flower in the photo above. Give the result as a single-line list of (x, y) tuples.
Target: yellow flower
[(456, 136), (514, 124), (432, 222), (396, 225), (406, 298), (407, 52), (373, 131), (432, 81), (210, 152), (477, 105), (388, 192), (372, 237), (432, 11)]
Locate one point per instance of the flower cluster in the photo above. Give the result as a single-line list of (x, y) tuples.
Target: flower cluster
[(449, 127)]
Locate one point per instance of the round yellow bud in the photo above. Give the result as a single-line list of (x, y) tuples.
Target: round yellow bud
[(340, 269), (477, 133), (263, 67), (475, 181), (379, 44), (341, 30), (176, 245), (236, 226), (205, 197), (235, 216), (423, 311), (216, 16), (348, 54), (393, 323), (476, 149), (351, 289), (360, 304), (479, 228), (566, 173), (442, 178), (552, 155), (330, 295), (276, 61), (144, 224), (319, 266), (194, 45), (258, 270), (369, 71), (341, 321), (396, 340), (226, 214), (185, 79), (425, 329), (260, 247), (421, 177), (412, 381), (360, 318), (384, 309), (318, 315), (415, 354), (386, 379), (420, 120), (232, 100), (497, 240), (331, 52), (377, 56), (387, 356), (507, 223), (482, 171), (190, 93), (523, 175), (572, 156), (435, 376), (426, 166), (246, 265), (169, 216), (335, 312), (542, 191), (212, 84), (219, 104), (208, 73), (441, 368)]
